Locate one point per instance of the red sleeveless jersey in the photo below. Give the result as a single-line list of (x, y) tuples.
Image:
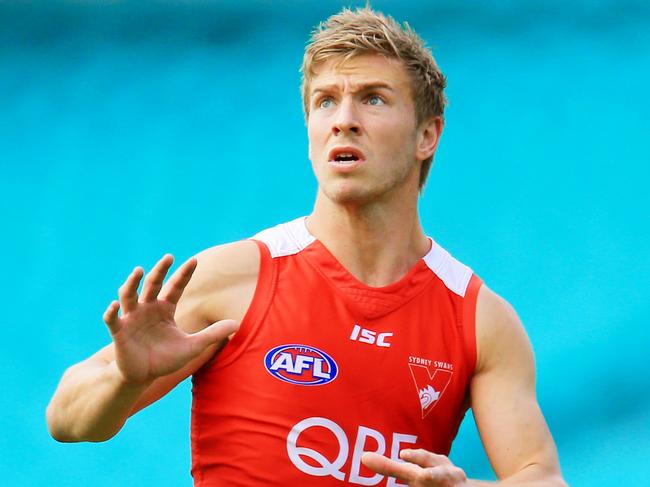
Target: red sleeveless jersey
[(325, 367)]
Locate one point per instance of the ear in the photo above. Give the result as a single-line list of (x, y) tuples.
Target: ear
[(428, 136)]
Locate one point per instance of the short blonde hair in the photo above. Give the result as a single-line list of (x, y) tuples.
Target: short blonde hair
[(362, 31)]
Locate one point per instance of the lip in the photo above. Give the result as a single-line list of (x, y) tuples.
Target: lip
[(345, 167), (343, 150)]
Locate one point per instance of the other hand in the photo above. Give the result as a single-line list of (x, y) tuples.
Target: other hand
[(420, 468)]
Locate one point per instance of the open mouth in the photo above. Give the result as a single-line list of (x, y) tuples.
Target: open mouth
[(346, 158), (345, 155)]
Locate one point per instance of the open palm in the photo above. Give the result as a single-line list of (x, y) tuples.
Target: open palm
[(148, 343)]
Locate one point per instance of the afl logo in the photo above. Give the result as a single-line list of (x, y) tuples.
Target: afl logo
[(301, 365)]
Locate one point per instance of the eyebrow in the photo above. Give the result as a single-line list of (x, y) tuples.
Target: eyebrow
[(356, 88)]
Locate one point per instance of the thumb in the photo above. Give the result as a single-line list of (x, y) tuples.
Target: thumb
[(214, 333)]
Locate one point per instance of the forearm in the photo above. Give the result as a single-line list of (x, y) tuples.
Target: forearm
[(531, 476), (91, 403)]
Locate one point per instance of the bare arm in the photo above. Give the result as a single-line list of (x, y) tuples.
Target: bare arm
[(162, 336), (511, 425)]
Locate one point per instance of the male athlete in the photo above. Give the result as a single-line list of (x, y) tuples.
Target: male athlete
[(349, 344)]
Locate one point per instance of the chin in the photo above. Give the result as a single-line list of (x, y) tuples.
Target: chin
[(348, 193)]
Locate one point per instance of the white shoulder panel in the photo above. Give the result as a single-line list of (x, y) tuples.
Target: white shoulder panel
[(453, 273), (287, 238)]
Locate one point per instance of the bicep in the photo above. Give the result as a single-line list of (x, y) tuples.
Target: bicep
[(503, 398)]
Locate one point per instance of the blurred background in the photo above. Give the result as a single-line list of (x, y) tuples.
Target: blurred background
[(133, 128)]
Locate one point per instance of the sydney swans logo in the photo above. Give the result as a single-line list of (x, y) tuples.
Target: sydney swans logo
[(430, 386)]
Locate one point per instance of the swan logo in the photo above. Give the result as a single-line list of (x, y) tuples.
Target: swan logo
[(427, 396), (301, 365), (430, 384)]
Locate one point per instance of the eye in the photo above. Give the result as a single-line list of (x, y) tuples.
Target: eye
[(325, 102), (375, 100)]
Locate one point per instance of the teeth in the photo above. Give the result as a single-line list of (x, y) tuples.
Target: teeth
[(346, 157)]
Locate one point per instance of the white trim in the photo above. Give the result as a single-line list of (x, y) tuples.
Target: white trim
[(287, 238), (292, 237), (453, 273)]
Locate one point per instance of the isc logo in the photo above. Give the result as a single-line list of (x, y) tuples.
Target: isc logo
[(301, 365), (368, 336)]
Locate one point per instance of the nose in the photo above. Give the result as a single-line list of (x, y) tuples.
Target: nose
[(346, 120)]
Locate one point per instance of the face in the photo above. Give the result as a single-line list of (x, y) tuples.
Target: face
[(364, 144)]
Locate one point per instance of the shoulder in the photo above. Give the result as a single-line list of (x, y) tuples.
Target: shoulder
[(222, 285), (493, 310), (501, 339), (225, 264)]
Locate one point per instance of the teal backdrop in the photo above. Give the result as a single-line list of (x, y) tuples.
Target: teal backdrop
[(130, 129)]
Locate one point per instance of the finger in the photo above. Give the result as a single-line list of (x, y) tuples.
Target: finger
[(110, 317), (212, 334), (154, 280), (128, 293), (443, 475), (423, 458), (406, 472), (173, 290)]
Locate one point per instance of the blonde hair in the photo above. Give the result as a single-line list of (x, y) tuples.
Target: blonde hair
[(363, 31)]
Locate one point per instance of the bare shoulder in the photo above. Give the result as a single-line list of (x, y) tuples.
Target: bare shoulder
[(227, 264), (500, 335), (222, 285)]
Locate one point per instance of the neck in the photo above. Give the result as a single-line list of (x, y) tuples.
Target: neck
[(377, 243)]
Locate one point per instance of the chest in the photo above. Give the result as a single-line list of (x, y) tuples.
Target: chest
[(316, 354)]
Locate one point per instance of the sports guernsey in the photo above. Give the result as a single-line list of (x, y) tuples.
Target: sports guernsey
[(325, 367)]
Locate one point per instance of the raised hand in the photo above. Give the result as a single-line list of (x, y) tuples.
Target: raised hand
[(420, 468), (148, 344)]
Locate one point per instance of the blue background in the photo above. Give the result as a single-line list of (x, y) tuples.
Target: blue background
[(131, 129)]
